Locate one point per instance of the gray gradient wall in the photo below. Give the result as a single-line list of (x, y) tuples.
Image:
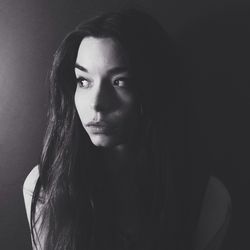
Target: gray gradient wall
[(213, 40)]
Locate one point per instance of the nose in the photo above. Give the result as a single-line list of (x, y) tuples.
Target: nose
[(103, 97)]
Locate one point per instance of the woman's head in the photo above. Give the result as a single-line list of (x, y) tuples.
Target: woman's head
[(132, 41), (104, 97)]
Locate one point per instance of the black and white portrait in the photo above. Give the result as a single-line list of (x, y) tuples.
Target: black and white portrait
[(124, 125)]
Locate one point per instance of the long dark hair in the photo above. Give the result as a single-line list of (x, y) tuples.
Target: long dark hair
[(62, 213)]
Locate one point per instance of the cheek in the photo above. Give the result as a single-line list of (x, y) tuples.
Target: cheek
[(128, 104), (128, 110), (82, 107)]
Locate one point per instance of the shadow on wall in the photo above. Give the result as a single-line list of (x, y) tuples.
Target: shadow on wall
[(215, 61)]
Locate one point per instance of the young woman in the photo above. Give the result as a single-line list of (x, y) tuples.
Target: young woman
[(111, 175)]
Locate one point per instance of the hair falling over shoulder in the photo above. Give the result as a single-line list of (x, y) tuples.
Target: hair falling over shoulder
[(63, 215)]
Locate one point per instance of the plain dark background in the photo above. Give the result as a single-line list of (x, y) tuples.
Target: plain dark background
[(213, 39)]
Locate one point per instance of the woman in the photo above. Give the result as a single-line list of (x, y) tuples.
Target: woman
[(109, 172)]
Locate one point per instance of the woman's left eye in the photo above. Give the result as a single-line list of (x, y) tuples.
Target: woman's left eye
[(121, 82)]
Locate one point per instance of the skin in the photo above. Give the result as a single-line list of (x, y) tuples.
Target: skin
[(104, 95)]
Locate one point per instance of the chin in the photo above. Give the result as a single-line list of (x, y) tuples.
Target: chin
[(103, 141)]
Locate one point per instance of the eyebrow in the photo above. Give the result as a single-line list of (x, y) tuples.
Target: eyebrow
[(115, 70), (80, 67)]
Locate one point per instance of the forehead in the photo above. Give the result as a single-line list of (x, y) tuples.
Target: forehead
[(101, 52)]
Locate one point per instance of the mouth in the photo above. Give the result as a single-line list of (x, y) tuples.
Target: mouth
[(99, 128)]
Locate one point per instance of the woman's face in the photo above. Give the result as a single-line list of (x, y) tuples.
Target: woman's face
[(104, 98)]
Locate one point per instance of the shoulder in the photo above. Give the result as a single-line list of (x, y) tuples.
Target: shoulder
[(28, 188), (214, 217), (31, 179)]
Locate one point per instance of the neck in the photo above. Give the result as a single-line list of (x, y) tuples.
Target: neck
[(120, 158)]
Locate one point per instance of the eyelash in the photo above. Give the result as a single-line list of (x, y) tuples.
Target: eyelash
[(80, 81), (124, 80)]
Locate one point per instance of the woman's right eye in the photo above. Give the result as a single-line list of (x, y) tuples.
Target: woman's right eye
[(82, 82)]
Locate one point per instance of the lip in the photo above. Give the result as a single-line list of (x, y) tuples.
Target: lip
[(99, 128), (97, 124)]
